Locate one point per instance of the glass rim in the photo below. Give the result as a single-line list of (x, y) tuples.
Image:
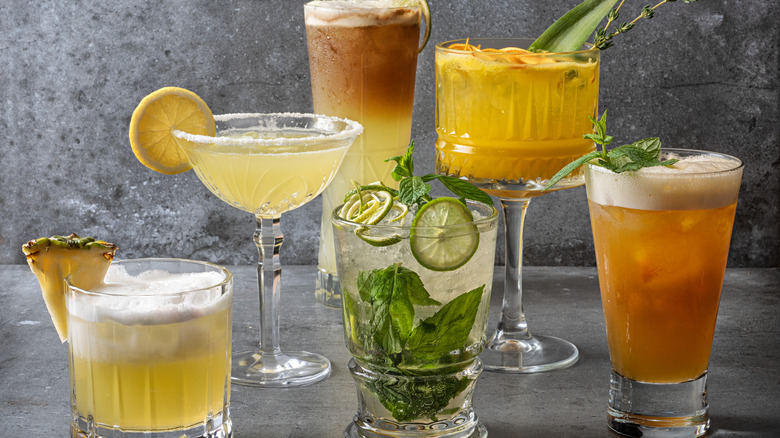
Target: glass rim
[(323, 4), (442, 46), (738, 164), (336, 219), (228, 277), (352, 129)]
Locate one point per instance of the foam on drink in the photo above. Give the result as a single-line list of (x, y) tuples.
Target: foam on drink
[(693, 183), (357, 14)]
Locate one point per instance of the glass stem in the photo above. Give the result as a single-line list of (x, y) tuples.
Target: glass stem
[(512, 322), (269, 238)]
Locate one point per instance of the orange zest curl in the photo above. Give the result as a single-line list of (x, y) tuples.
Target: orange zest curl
[(511, 50)]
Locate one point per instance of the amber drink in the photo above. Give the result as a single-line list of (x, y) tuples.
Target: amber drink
[(662, 240), (362, 59)]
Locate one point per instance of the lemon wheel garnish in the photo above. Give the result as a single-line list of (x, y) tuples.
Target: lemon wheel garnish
[(443, 236), (154, 120)]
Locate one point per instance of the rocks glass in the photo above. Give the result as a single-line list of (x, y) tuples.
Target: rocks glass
[(414, 333)]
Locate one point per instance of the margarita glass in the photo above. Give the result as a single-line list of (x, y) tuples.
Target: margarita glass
[(508, 121), (662, 237), (149, 351), (363, 60), (268, 164)]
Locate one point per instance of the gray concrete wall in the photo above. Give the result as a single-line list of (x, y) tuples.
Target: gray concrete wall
[(701, 75)]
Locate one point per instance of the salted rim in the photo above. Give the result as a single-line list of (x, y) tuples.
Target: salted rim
[(443, 46), (353, 130)]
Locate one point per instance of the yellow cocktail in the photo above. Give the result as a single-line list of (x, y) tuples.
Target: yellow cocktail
[(150, 349), (509, 119)]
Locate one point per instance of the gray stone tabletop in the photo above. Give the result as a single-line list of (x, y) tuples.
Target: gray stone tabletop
[(744, 381)]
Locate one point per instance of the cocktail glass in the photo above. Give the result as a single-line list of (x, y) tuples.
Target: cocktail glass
[(363, 60), (508, 122), (149, 351), (268, 164), (662, 240), (414, 333)]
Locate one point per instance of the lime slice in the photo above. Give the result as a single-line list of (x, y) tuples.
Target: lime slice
[(374, 237), (443, 235), (367, 205), (425, 10)]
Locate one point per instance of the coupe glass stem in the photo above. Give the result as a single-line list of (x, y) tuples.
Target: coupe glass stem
[(512, 348), (269, 238), (268, 366)]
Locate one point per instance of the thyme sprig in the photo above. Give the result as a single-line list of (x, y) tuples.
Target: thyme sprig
[(603, 40)]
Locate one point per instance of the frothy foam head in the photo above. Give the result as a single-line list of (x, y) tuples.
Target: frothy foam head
[(151, 297), (358, 13), (695, 182)]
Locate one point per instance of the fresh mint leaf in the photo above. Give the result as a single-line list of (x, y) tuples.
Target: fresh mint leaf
[(404, 166), (413, 190), (571, 167), (391, 293), (464, 189), (408, 399), (446, 330)]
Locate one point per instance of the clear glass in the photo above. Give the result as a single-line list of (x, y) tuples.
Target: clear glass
[(662, 241), (358, 74), (508, 122), (150, 355), (414, 360), (268, 164)]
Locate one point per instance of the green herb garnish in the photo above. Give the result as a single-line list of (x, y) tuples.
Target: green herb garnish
[(630, 157), (407, 350), (414, 189), (572, 30)]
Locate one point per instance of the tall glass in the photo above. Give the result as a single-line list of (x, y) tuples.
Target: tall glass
[(662, 240), (268, 164), (415, 333), (363, 60), (507, 122), (149, 351)]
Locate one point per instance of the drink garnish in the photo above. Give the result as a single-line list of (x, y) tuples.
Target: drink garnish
[(154, 120), (571, 31), (53, 259), (629, 157), (407, 349), (440, 249), (426, 14)]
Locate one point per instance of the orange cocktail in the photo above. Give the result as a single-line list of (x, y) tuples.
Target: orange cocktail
[(510, 117), (662, 240)]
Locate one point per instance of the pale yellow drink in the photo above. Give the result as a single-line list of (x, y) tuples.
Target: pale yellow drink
[(362, 59), (264, 178), (512, 119), (144, 357)]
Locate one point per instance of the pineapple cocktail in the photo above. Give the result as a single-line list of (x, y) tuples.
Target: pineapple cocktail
[(662, 237), (363, 60), (149, 340), (507, 119), (416, 278), (150, 350)]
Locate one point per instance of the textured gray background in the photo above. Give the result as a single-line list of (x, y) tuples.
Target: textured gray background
[(701, 75)]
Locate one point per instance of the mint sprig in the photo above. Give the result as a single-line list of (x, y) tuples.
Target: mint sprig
[(629, 157), (414, 189), (405, 349)]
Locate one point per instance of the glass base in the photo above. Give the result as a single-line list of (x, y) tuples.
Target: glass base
[(216, 427), (327, 289), (353, 431), (283, 370), (523, 353), (658, 410)]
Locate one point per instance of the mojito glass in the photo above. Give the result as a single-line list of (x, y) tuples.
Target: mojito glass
[(662, 240), (363, 60), (149, 351), (415, 332)]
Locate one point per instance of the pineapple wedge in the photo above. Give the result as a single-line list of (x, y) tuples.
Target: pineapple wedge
[(52, 259)]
